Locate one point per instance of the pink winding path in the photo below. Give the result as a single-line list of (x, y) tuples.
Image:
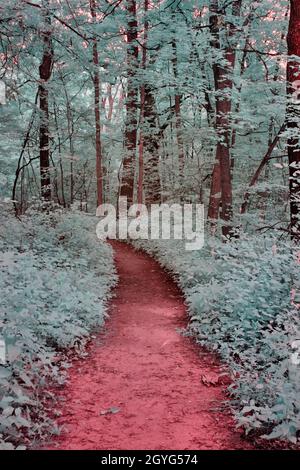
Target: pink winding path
[(162, 387)]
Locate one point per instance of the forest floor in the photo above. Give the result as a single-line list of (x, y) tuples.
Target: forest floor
[(144, 385)]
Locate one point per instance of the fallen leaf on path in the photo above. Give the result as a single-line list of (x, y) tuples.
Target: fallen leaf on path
[(113, 410), (213, 380)]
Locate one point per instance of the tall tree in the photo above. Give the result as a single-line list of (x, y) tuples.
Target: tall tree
[(128, 170), (221, 185), (45, 71), (142, 111), (293, 115), (96, 80), (149, 127), (178, 121), (152, 185)]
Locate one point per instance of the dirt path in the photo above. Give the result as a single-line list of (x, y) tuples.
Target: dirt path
[(152, 377)]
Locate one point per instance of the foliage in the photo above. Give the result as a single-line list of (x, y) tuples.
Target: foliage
[(55, 279), (240, 304)]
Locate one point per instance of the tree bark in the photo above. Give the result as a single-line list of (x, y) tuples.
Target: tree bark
[(151, 147), (262, 164), (97, 92), (142, 112), (45, 71), (178, 121), (293, 116), (221, 185), (128, 171)]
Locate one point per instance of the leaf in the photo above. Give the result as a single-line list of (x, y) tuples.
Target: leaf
[(4, 372), (8, 411), (112, 410), (22, 422), (6, 446)]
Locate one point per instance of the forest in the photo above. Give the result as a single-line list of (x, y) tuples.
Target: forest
[(141, 343)]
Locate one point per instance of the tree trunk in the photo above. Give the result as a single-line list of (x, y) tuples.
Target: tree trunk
[(142, 112), (215, 195), (96, 79), (149, 176), (151, 147), (141, 149), (128, 171), (221, 186), (178, 121), (45, 71), (261, 166), (293, 116)]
